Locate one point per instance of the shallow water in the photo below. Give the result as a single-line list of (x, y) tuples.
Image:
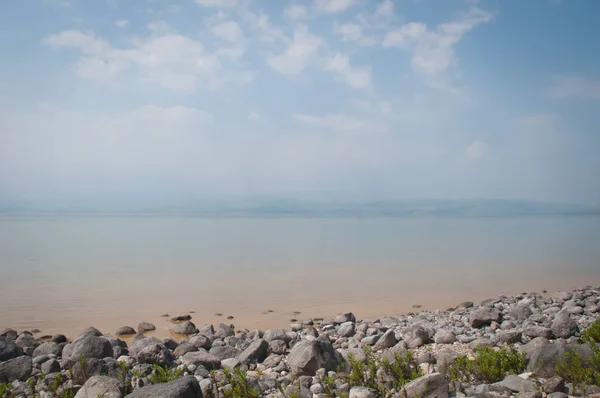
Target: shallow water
[(63, 274)]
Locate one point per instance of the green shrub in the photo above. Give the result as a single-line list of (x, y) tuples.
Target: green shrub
[(163, 375), (6, 390), (592, 333), (403, 370), (240, 387), (489, 365), (574, 369)]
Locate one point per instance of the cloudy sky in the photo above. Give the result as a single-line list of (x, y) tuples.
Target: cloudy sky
[(187, 99)]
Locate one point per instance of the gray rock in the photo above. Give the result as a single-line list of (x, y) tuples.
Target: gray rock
[(343, 318), (563, 326), (59, 338), (156, 354), (145, 327), (363, 392), (26, 340), (104, 386), (531, 394), (509, 337), (125, 330), (300, 392), (557, 395), (445, 358), (444, 336), (18, 368), (183, 349), (356, 354), (517, 384), (433, 385), (256, 352), (224, 331), (538, 331), (184, 328), (522, 311), (306, 357), (50, 366), (562, 296), (90, 346), (386, 341), (484, 316), (170, 343), (184, 387), (181, 318), (91, 331), (415, 336), (9, 350), (466, 304), (47, 349), (277, 347), (542, 357), (346, 329), (224, 352), (230, 363), (370, 340), (203, 358), (276, 334), (200, 341), (554, 384)]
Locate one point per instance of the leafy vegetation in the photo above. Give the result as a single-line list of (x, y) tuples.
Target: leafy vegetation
[(577, 370), (6, 390), (488, 366), (163, 375), (240, 386)]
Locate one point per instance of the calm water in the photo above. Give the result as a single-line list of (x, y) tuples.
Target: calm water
[(64, 274)]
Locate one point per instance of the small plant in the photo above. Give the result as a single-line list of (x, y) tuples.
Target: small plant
[(163, 375), (403, 370), (328, 383), (6, 390), (68, 393), (592, 333), (489, 366), (240, 387), (31, 382), (58, 380)]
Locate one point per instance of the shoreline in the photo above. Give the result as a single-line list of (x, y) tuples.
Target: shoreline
[(533, 329)]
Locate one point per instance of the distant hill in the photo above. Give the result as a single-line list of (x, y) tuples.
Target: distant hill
[(318, 208)]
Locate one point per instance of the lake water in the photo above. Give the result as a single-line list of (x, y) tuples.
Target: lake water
[(63, 274)]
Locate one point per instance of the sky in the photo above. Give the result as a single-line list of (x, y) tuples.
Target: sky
[(148, 100)]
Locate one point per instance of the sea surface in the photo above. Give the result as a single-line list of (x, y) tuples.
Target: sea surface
[(62, 274)]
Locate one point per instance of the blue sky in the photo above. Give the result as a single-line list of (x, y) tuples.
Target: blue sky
[(191, 99)]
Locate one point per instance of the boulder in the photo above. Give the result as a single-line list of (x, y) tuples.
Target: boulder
[(277, 347), (386, 341), (538, 331), (125, 330), (256, 352), (203, 358), (183, 387), (433, 385), (509, 337), (363, 392), (346, 329), (103, 386), (9, 350), (562, 296), (181, 318), (90, 346), (443, 336), (47, 349), (200, 341), (224, 352), (342, 318), (184, 328), (276, 334), (155, 354), (50, 366), (542, 357), (145, 327), (517, 384), (59, 338), (554, 384), (563, 326), (224, 331), (18, 368), (484, 316), (415, 336), (522, 311), (306, 357), (183, 349)]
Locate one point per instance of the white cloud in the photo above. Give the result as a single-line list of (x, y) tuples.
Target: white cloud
[(477, 150), (433, 50), (298, 54), (349, 31), (564, 87), (254, 116), (334, 6), (216, 3), (229, 31), (121, 23), (354, 77), (386, 8), (338, 122), (296, 12), (171, 60), (538, 120)]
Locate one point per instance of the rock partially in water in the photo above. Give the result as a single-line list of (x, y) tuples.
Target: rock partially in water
[(125, 330), (184, 328)]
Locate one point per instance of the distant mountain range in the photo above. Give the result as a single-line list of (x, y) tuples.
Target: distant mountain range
[(319, 208)]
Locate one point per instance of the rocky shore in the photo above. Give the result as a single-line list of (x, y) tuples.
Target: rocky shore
[(529, 345)]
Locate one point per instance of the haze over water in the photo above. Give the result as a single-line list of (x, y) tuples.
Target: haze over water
[(62, 274)]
